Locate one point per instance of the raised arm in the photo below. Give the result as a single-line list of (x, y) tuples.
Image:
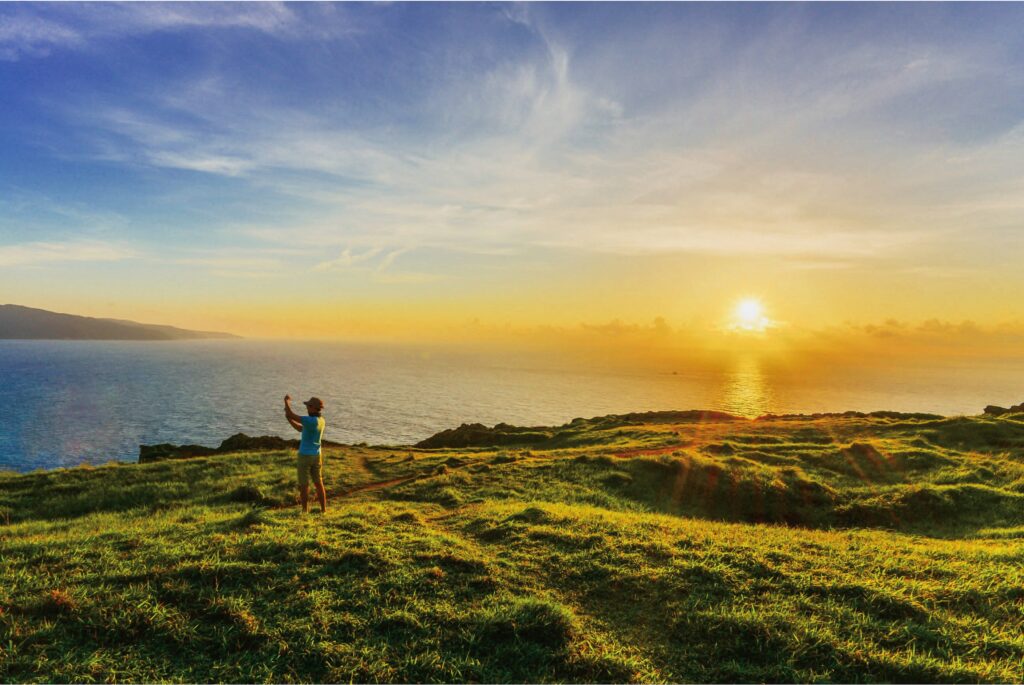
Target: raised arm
[(292, 417)]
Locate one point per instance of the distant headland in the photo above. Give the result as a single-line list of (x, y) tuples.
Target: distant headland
[(27, 323)]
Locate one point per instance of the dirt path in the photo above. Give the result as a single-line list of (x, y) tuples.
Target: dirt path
[(365, 466), (379, 485)]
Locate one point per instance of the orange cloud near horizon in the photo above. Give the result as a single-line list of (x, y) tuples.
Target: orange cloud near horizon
[(658, 342)]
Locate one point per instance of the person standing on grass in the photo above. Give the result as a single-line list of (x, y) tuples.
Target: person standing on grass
[(310, 460)]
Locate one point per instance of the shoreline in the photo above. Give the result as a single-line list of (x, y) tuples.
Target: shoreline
[(479, 435)]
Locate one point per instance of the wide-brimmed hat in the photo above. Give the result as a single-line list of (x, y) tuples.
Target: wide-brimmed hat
[(314, 402)]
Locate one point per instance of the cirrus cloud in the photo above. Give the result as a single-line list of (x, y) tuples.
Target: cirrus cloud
[(44, 252)]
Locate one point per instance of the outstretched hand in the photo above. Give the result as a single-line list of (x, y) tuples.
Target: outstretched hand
[(292, 417)]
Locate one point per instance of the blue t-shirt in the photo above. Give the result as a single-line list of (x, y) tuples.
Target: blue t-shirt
[(312, 432)]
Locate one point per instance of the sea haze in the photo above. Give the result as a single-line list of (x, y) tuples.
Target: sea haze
[(69, 402)]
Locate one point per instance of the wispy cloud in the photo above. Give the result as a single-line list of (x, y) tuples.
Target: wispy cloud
[(540, 156), (34, 30), (38, 253), (378, 265), (406, 277), (347, 259), (32, 36), (28, 207), (231, 262), (389, 259)]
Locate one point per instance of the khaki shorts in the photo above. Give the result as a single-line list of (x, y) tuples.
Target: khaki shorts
[(310, 465)]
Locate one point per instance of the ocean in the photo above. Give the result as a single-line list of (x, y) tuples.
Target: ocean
[(64, 403)]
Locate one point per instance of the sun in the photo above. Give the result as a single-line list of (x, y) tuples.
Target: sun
[(749, 316)]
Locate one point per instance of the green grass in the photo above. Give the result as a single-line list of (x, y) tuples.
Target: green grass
[(668, 547)]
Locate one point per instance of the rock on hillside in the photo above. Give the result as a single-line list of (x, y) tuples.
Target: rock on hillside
[(994, 410), (239, 442)]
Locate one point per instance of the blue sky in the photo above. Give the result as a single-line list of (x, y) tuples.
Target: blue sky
[(179, 162)]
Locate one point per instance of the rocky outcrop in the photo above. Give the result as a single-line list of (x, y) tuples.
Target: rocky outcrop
[(993, 410), (166, 450), (479, 435), (685, 416), (577, 432), (895, 415), (239, 442)]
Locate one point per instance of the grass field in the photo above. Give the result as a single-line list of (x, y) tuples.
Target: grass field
[(658, 547)]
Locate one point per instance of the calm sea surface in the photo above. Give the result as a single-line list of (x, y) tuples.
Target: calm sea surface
[(67, 402)]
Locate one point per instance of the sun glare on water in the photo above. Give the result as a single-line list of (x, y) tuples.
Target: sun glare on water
[(749, 316)]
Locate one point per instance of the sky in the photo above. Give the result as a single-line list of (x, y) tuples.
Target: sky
[(402, 170)]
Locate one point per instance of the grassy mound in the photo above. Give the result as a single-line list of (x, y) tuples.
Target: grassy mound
[(636, 548)]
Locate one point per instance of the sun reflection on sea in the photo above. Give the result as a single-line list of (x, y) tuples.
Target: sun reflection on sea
[(746, 389)]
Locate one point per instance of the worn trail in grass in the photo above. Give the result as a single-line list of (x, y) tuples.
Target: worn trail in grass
[(671, 546)]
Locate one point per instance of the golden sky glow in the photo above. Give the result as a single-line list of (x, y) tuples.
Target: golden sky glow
[(506, 174)]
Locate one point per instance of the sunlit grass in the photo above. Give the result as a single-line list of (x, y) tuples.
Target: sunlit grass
[(655, 549)]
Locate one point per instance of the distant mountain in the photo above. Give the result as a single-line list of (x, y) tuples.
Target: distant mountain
[(26, 323)]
